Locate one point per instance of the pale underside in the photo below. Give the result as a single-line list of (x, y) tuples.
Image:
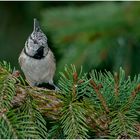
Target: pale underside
[(38, 71)]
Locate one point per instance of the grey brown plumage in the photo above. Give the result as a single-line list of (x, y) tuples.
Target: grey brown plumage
[(36, 59)]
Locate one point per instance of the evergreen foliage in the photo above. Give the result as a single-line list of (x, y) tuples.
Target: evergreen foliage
[(94, 105), (22, 122), (73, 119)]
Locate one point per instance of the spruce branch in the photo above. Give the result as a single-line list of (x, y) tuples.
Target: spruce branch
[(101, 98), (116, 86), (47, 101), (20, 97), (7, 88), (15, 123), (136, 90), (131, 98), (6, 121), (123, 124), (96, 119), (102, 106), (73, 113)]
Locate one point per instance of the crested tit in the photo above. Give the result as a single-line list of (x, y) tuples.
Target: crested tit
[(37, 60)]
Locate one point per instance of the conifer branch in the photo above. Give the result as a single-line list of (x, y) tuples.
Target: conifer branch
[(13, 131), (20, 97), (74, 110), (75, 79), (132, 97), (136, 90), (101, 98)]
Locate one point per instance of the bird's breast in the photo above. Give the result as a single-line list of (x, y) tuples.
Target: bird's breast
[(37, 71)]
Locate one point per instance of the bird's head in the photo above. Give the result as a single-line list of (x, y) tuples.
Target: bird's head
[(37, 41)]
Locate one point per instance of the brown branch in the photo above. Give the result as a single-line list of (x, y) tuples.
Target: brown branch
[(101, 98), (134, 93), (19, 98), (132, 96), (2, 111), (75, 79), (46, 101)]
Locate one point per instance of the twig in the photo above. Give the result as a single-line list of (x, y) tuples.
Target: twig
[(19, 98), (101, 98), (116, 86), (136, 90), (75, 78), (132, 97)]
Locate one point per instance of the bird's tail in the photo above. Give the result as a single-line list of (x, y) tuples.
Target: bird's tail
[(50, 86)]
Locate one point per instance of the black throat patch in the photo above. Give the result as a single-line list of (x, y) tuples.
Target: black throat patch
[(38, 55)]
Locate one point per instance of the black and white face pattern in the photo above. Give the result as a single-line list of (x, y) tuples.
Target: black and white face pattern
[(36, 45)]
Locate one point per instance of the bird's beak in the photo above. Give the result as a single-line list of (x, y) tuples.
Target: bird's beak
[(36, 25)]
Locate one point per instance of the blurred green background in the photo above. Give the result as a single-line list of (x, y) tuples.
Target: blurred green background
[(101, 35)]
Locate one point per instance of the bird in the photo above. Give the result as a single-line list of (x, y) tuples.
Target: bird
[(37, 61)]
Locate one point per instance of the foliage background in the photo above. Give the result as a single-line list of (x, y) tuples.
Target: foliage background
[(101, 35)]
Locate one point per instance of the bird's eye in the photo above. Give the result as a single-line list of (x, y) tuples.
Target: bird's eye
[(34, 40)]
